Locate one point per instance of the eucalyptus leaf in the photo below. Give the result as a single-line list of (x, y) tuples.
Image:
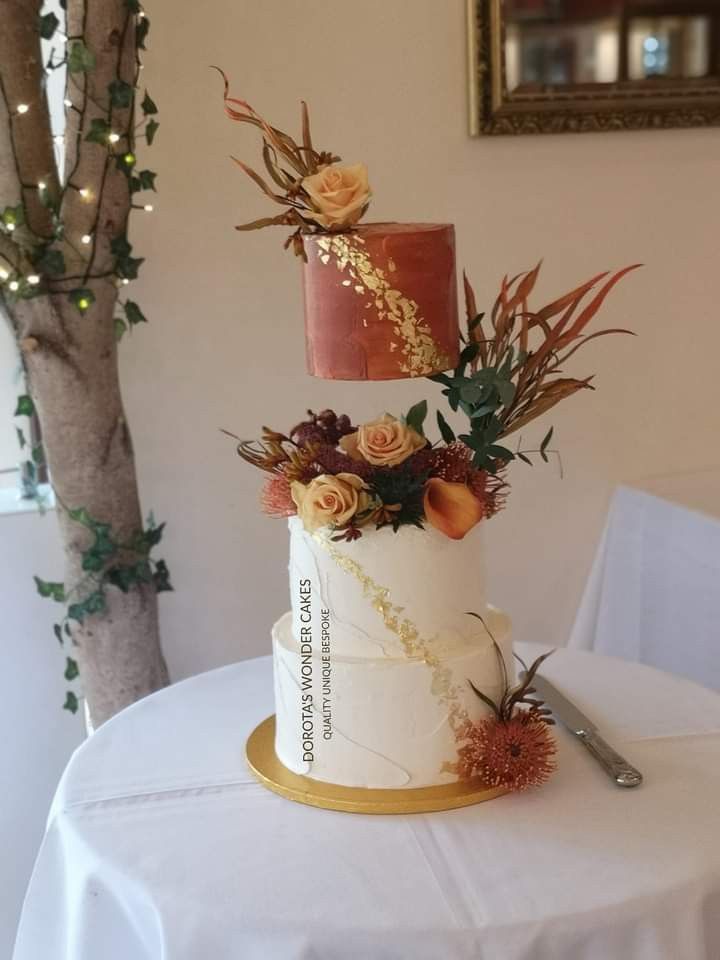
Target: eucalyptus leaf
[(446, 430), (416, 415)]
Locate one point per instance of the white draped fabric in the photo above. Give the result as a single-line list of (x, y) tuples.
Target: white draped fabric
[(161, 845), (653, 594)]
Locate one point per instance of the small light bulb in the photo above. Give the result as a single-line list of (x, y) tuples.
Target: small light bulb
[(22, 108), (42, 185), (86, 238), (125, 281), (3, 273), (141, 66), (34, 279), (148, 208), (84, 193), (141, 14), (129, 159), (10, 227), (14, 285), (83, 303), (67, 101), (59, 138), (113, 137)]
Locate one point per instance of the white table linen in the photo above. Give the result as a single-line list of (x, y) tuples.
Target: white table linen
[(653, 594), (160, 844)]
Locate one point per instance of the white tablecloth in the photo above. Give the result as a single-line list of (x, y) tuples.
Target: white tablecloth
[(161, 845)]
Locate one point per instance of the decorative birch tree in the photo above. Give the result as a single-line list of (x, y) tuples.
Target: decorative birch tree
[(65, 261)]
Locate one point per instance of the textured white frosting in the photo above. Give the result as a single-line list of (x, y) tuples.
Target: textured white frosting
[(388, 728), (434, 579)]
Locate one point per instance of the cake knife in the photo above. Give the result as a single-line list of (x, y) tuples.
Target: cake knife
[(617, 767)]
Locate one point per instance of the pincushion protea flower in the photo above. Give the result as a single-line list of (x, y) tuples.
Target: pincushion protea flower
[(515, 754), (513, 748), (276, 498)]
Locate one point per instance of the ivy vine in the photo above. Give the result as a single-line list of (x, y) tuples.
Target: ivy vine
[(106, 562)]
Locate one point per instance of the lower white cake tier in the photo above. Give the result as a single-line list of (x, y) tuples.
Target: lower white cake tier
[(420, 574), (381, 722)]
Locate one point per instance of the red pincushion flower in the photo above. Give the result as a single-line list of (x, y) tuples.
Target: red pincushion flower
[(515, 754), (275, 498)]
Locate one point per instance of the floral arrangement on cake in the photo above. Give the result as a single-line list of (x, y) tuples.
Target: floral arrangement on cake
[(388, 473), (319, 194)]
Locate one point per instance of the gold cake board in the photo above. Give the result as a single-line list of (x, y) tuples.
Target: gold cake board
[(263, 761)]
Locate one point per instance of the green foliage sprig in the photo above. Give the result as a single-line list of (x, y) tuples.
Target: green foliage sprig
[(106, 562), (510, 368)]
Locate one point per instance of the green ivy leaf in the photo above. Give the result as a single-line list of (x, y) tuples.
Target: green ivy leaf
[(47, 26), (120, 328), (121, 94), (99, 131), (80, 515), (446, 431), (94, 603), (71, 702), (161, 577), (145, 180), (79, 58), (20, 438), (82, 299), (141, 31), (14, 216), (416, 415), (57, 630), (126, 576), (51, 262), (133, 5), (148, 104), (129, 268), (71, 669), (120, 247), (49, 590), (151, 128), (38, 455), (25, 406), (133, 313)]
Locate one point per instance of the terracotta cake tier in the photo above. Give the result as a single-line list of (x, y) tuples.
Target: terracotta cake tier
[(381, 302)]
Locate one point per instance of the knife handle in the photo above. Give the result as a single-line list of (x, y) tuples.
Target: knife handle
[(622, 772)]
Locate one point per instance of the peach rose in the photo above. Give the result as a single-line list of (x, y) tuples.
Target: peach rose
[(338, 194), (384, 442), (452, 508), (329, 500)]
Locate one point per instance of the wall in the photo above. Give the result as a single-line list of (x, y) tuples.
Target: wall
[(38, 736), (224, 346)]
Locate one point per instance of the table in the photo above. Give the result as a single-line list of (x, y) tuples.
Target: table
[(161, 845)]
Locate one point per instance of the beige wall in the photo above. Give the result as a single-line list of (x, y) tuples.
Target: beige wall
[(224, 347)]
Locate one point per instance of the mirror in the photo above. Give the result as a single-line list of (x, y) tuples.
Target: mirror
[(545, 66)]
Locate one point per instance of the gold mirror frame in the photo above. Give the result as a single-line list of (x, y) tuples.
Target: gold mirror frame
[(588, 108)]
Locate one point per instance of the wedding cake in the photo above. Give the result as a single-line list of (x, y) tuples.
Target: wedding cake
[(391, 670)]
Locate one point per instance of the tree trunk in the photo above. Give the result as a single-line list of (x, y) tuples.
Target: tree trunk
[(70, 354)]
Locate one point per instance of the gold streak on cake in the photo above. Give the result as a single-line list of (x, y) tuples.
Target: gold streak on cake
[(420, 353), (414, 646)]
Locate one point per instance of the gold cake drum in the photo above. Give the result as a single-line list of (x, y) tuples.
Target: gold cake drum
[(264, 763)]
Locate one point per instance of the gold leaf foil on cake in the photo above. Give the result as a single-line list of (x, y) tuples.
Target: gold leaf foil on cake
[(420, 354), (414, 646)]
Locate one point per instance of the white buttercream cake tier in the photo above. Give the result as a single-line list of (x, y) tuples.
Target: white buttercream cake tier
[(382, 724), (433, 579)]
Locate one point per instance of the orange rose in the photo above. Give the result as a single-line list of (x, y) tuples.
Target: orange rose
[(385, 442), (338, 194), (329, 500), (452, 508)]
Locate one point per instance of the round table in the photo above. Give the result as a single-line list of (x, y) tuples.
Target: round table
[(160, 844)]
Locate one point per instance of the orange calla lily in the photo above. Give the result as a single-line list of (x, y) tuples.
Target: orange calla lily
[(452, 508)]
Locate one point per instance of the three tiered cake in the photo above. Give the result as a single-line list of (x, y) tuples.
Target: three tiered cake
[(392, 673)]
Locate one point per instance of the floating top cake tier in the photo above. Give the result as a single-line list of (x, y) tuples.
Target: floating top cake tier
[(381, 301)]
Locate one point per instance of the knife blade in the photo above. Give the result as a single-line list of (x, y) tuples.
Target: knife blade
[(616, 766)]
